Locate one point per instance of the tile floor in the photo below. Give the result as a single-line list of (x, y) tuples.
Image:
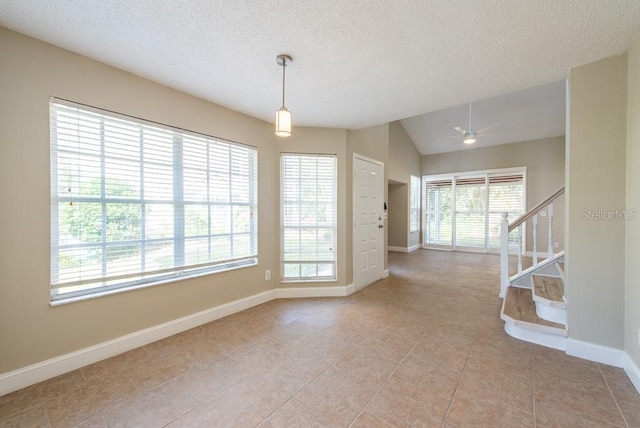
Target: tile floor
[(424, 347)]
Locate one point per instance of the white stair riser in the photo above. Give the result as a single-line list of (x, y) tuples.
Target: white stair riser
[(549, 270), (538, 337), (551, 313), (547, 265), (524, 282)]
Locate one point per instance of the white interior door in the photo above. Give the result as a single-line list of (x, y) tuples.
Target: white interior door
[(368, 234)]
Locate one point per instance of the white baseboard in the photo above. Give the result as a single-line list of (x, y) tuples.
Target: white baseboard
[(385, 274), (414, 247), (632, 370), (298, 292), (593, 352), (25, 376), (535, 336), (404, 249)]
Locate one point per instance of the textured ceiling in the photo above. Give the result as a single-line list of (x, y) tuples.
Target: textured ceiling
[(356, 63)]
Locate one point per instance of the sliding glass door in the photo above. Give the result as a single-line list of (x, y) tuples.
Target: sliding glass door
[(471, 213), (438, 227), (506, 193), (463, 211)]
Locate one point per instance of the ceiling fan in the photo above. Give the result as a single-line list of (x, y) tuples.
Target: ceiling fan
[(468, 136)]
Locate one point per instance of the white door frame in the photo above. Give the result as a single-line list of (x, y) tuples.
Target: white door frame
[(356, 157)]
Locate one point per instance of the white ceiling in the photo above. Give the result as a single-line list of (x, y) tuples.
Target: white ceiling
[(530, 114), (356, 63)]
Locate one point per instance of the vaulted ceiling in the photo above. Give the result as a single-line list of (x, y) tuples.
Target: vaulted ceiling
[(356, 63), (529, 114)]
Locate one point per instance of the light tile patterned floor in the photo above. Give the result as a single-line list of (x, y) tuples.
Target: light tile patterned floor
[(424, 347)]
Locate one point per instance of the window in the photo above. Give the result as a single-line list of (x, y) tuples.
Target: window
[(414, 204), (135, 203), (308, 203), (465, 210)]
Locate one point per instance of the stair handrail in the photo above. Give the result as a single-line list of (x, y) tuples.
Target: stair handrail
[(533, 211), (504, 237)]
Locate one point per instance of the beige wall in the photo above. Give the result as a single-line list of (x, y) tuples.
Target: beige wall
[(404, 161), (325, 141), (404, 158), (632, 232), (31, 330), (398, 214), (596, 144), (545, 162)]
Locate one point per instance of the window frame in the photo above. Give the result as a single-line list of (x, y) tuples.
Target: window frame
[(284, 227), (414, 204), (184, 264)]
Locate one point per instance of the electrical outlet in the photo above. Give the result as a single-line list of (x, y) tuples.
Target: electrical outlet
[(639, 337), (556, 245), (267, 274), (543, 213)]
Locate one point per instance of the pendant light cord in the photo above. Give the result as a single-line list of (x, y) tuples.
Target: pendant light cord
[(284, 65)]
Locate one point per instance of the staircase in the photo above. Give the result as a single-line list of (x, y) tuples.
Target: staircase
[(534, 307)]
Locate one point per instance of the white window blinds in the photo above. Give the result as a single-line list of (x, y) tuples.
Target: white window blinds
[(134, 202), (506, 193), (470, 214), (308, 216)]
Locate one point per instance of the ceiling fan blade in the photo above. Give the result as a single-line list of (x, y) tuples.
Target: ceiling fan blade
[(485, 130), (457, 128)]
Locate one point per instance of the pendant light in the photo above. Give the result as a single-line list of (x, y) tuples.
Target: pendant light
[(283, 116)]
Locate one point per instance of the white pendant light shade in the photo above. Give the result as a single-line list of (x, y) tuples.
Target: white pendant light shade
[(283, 122), (283, 116)]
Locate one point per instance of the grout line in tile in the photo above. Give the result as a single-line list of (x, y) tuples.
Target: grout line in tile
[(296, 393), (83, 375), (475, 339), (184, 414), (385, 382), (615, 400), (533, 391)]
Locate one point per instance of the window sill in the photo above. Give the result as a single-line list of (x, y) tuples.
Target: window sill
[(72, 299), (304, 281)]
